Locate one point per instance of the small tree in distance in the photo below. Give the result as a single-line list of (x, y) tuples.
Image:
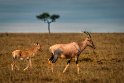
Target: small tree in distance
[(47, 18)]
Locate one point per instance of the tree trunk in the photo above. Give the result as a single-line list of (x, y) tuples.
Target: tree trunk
[(49, 27)]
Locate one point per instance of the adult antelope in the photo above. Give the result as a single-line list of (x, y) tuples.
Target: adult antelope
[(25, 54), (69, 51)]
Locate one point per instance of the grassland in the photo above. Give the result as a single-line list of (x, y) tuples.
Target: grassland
[(105, 65)]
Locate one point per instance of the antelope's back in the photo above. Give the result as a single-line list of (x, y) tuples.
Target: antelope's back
[(69, 48)]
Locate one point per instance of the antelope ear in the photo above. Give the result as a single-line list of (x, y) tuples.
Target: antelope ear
[(35, 44)]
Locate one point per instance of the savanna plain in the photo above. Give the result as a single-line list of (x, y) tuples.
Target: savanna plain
[(105, 64)]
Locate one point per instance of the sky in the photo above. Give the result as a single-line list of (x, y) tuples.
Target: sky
[(75, 15)]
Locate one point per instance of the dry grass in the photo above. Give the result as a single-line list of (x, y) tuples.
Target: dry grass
[(106, 65)]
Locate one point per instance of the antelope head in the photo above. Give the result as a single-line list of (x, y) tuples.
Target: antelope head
[(37, 45), (88, 41)]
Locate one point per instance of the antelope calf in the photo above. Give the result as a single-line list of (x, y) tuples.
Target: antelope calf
[(25, 54), (69, 51)]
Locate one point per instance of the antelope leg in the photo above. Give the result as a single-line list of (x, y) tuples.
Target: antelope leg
[(50, 62), (65, 68), (52, 67), (68, 62), (28, 65), (50, 59), (17, 67), (78, 68), (76, 60), (14, 64)]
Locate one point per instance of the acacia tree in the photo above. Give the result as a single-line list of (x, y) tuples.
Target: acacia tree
[(47, 18)]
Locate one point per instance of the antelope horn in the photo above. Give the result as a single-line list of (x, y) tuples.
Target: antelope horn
[(87, 33)]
